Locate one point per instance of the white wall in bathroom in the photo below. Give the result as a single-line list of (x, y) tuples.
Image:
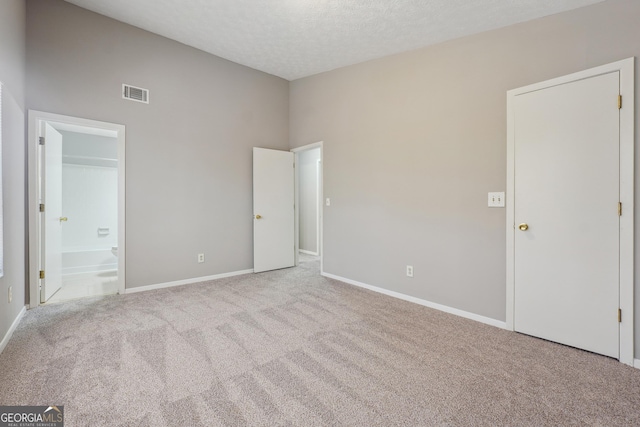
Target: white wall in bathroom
[(90, 202)]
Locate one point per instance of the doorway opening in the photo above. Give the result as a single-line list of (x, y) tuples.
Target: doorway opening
[(76, 202), (309, 202)]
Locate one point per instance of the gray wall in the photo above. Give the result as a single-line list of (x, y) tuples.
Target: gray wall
[(308, 199), (413, 143), (188, 153), (12, 69)]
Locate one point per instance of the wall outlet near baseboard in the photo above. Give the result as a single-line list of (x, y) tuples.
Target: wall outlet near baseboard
[(200, 258), (409, 270), (10, 294)]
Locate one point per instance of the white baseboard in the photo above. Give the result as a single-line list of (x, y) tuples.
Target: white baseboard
[(308, 252), (636, 363), (446, 309), (12, 329), (185, 281)]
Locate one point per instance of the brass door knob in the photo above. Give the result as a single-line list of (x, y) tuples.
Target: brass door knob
[(523, 226), (63, 218), (258, 216)]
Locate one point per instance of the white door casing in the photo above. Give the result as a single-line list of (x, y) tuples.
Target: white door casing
[(570, 161), (273, 210), (318, 202), (52, 217), (35, 181)]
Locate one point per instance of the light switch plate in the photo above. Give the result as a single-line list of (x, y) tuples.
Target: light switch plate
[(496, 199)]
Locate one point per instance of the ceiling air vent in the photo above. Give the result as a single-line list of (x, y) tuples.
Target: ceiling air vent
[(135, 93)]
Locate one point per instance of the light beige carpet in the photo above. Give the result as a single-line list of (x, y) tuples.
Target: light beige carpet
[(290, 348)]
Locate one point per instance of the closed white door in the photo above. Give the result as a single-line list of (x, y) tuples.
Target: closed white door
[(566, 263), (273, 210), (52, 218)]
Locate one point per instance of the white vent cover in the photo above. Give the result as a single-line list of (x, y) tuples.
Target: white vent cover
[(135, 93)]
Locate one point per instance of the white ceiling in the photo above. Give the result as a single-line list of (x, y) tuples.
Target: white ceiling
[(298, 38)]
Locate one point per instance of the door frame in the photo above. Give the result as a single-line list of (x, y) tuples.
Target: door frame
[(297, 151), (626, 268), (34, 181)]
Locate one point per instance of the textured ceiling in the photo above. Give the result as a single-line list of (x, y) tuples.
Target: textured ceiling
[(298, 38)]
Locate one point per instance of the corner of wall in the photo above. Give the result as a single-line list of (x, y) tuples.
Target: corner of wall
[(12, 76)]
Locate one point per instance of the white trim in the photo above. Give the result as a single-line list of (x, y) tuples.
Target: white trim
[(627, 198), (35, 117), (12, 329), (296, 151), (303, 251), (636, 363), (307, 147), (436, 306), (627, 74), (186, 281), (122, 216), (318, 201)]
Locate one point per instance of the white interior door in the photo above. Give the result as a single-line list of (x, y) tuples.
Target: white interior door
[(52, 219), (566, 263), (273, 210)]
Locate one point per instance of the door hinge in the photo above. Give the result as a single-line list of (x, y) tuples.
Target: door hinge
[(42, 274), (619, 209), (619, 315), (41, 207), (41, 140), (619, 102)]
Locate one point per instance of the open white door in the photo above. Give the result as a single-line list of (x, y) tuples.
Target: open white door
[(273, 210), (52, 219)]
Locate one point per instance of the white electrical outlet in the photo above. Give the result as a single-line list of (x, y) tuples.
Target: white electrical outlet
[(10, 294), (409, 270), (328, 202), (200, 258), (496, 200)]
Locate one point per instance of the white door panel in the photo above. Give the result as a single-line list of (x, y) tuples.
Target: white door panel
[(567, 192), (273, 209), (52, 217)]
